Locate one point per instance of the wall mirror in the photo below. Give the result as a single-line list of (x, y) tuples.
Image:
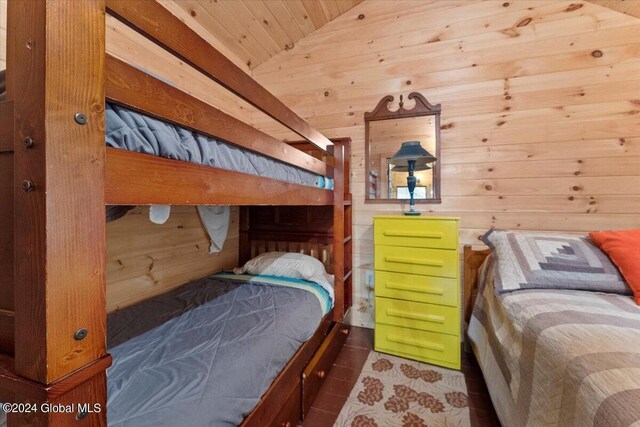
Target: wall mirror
[(385, 132)]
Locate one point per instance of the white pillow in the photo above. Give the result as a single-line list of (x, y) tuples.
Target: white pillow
[(288, 264)]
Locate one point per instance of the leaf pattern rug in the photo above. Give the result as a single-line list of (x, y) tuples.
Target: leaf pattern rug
[(396, 392)]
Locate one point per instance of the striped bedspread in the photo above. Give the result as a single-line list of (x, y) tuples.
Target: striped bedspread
[(558, 357)]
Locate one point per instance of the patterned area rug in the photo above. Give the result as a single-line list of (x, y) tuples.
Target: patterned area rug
[(392, 391)]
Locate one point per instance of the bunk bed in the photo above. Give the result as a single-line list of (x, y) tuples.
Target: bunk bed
[(57, 176)]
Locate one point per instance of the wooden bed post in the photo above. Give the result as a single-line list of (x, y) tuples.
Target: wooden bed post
[(473, 259), (244, 248), (338, 230), (56, 77)]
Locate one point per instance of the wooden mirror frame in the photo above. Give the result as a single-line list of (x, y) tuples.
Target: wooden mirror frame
[(422, 108)]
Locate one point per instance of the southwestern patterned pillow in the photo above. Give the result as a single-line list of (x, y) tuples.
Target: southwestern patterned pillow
[(551, 261)]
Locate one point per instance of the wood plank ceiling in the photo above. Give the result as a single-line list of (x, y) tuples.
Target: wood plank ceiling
[(258, 30), (630, 7)]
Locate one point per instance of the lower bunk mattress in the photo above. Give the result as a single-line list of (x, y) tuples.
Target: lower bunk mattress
[(558, 357), (204, 354)]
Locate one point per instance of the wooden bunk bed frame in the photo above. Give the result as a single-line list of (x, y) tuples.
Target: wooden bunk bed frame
[(472, 259), (57, 176)]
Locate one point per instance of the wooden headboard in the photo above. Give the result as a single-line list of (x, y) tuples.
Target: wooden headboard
[(473, 259), (302, 229)]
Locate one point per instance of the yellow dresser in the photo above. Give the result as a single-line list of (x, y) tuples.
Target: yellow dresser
[(417, 308)]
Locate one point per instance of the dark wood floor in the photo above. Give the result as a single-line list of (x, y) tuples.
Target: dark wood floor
[(345, 372)]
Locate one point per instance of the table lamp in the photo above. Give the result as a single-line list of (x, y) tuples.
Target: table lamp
[(410, 153)]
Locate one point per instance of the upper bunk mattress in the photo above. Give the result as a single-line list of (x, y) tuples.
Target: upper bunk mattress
[(558, 357), (129, 130), (133, 131), (204, 354)]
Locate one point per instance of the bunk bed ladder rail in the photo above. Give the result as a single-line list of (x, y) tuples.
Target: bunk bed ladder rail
[(342, 240)]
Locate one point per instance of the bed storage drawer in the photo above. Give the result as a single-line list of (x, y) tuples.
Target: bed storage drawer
[(425, 346), (417, 315), (398, 232), (319, 366), (290, 415), (430, 262), (413, 287)]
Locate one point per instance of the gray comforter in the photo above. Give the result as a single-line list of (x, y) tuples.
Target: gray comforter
[(203, 355), (133, 131)]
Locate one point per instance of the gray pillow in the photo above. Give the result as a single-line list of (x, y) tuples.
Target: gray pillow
[(551, 261)]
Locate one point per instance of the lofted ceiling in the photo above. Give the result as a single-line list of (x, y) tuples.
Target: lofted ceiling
[(255, 30), (630, 7)]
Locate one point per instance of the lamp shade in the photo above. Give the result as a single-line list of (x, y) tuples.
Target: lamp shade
[(412, 150), (405, 168)]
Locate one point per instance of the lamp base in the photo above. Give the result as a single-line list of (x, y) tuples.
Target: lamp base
[(413, 213)]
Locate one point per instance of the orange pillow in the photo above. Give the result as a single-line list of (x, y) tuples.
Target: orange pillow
[(623, 247)]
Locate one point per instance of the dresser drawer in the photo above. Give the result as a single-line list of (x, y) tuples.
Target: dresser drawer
[(413, 287), (432, 262), (437, 234), (417, 315), (420, 345)]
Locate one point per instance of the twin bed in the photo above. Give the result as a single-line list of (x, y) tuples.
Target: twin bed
[(563, 347), (204, 354)]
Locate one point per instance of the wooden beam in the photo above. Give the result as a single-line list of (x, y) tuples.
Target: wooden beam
[(153, 21), (14, 386), (290, 236), (58, 54), (6, 244), (472, 260), (6, 126), (7, 303), (86, 386), (142, 179), (338, 232), (7, 325), (133, 88), (312, 150), (244, 245)]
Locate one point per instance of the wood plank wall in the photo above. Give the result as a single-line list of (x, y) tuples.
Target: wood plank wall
[(145, 259), (540, 108)]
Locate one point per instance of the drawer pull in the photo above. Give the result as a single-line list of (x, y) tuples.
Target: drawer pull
[(285, 424), (416, 261), (415, 316), (421, 289), (393, 233), (321, 374), (345, 331), (415, 343)]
